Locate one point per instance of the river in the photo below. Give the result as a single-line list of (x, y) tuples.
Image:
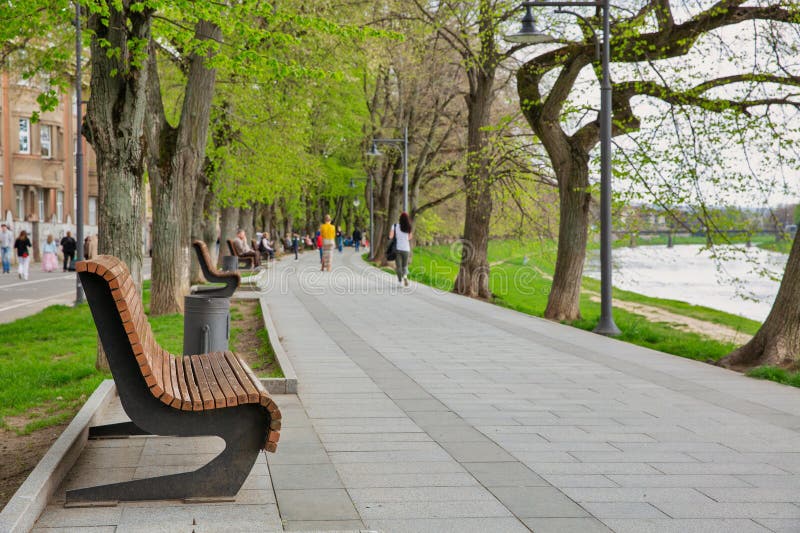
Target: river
[(689, 273)]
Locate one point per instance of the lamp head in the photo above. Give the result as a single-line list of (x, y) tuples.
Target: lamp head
[(528, 34), (356, 202), (374, 152)]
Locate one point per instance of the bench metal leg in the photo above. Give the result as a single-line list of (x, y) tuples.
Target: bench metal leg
[(116, 431), (220, 478)]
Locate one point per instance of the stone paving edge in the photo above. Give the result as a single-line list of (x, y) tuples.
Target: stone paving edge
[(25, 506), (288, 383)]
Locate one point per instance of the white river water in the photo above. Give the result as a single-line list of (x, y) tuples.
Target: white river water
[(732, 283)]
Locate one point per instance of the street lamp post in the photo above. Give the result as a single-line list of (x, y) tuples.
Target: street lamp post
[(400, 142), (528, 34), (79, 297)]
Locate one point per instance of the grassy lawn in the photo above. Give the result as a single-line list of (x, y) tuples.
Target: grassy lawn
[(47, 364), (519, 280)]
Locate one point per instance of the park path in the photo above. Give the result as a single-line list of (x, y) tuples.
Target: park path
[(421, 411), (424, 411)]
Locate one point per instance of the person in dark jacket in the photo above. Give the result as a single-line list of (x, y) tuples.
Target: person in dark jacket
[(68, 247), (22, 246), (357, 239)]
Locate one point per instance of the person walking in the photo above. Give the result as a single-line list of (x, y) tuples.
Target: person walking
[(22, 246), (49, 257), (295, 245), (339, 240), (6, 241), (402, 232), (318, 245), (328, 233), (68, 247), (357, 239)]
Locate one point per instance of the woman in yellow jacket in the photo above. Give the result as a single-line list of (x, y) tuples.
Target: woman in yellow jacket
[(328, 233)]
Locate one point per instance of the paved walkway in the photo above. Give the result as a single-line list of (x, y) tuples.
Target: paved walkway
[(421, 411)]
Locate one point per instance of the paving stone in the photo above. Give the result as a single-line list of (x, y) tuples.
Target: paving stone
[(566, 525), (429, 494), (510, 474), (677, 509), (549, 502), (622, 510), (338, 526), (58, 516), (316, 504), (780, 525), (477, 452), (449, 525), (415, 509), (684, 526), (304, 476)]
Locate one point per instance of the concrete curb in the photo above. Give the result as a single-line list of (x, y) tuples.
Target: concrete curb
[(24, 508), (288, 383)]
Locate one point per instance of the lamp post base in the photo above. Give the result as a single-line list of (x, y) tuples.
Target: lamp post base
[(607, 327)]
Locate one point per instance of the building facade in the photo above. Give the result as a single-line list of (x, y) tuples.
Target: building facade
[(37, 159)]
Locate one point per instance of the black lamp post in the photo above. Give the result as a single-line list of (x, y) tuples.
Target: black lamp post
[(374, 152), (79, 297), (528, 34)]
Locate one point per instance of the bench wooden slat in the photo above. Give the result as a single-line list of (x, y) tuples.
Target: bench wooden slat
[(238, 390), (241, 376), (191, 383), (186, 398), (173, 376), (213, 384), (202, 382), (166, 375), (217, 359)]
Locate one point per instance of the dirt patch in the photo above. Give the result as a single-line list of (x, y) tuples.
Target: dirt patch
[(680, 322), (20, 455), (249, 339)]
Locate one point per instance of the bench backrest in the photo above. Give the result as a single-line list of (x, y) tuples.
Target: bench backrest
[(232, 248), (210, 272), (154, 362)]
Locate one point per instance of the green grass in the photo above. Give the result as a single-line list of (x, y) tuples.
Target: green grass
[(519, 280), (266, 353), (47, 364), (783, 247), (776, 374)]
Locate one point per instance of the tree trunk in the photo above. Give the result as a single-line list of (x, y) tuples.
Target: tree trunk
[(777, 342), (246, 221), (563, 302), (199, 207), (228, 224), (177, 156), (473, 273), (115, 126)]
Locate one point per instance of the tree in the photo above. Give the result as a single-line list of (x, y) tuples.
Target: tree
[(648, 41)]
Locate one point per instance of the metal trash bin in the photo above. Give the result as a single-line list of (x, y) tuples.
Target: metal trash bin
[(206, 324), (230, 263)]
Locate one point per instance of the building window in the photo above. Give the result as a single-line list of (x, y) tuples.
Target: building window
[(45, 132), (92, 210), (40, 198), (20, 197), (24, 136), (60, 206)]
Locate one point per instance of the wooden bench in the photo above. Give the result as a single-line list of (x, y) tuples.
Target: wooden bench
[(244, 262), (207, 394), (232, 280)]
